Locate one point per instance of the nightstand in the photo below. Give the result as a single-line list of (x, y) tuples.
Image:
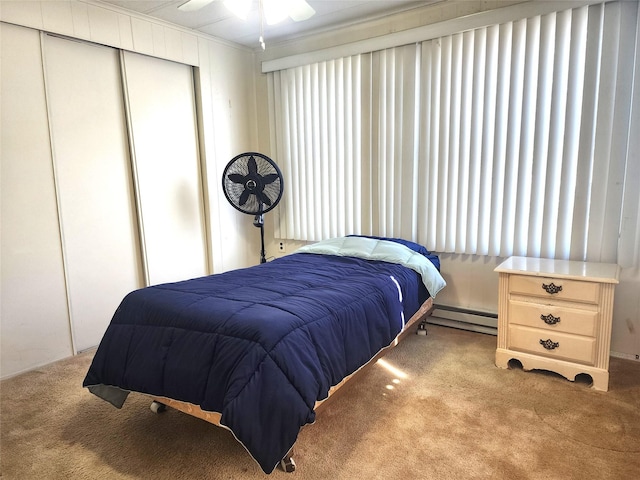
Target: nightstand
[(556, 315)]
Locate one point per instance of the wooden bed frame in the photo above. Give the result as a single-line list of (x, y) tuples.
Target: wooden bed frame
[(418, 320)]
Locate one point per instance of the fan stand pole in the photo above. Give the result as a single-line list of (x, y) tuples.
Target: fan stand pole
[(262, 254), (258, 221)]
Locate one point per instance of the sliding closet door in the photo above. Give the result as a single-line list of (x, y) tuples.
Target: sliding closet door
[(34, 316), (92, 168), (161, 102)]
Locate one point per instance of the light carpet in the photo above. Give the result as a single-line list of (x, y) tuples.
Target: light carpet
[(447, 413)]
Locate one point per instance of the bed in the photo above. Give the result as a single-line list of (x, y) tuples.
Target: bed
[(258, 350)]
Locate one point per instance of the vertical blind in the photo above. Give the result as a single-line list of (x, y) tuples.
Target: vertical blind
[(318, 120), (510, 139)]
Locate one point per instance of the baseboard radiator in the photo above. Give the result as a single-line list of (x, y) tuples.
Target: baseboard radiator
[(465, 319)]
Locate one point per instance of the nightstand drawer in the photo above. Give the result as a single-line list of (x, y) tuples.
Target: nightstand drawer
[(555, 288), (559, 345), (553, 318)]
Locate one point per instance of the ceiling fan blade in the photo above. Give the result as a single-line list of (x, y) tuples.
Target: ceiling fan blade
[(240, 8), (193, 5), (300, 10)]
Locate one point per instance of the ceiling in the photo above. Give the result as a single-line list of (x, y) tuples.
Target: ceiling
[(214, 19)]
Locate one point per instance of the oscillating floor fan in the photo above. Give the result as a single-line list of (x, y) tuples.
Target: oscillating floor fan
[(253, 184)]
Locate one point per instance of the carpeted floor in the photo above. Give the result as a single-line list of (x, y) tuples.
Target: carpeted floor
[(448, 414)]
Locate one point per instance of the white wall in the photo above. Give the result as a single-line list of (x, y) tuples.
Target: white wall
[(230, 125), (35, 323), (472, 284)]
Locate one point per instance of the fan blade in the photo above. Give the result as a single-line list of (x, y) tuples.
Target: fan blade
[(236, 178), (193, 5), (253, 167), (300, 10), (244, 197), (267, 179), (240, 8), (264, 199)]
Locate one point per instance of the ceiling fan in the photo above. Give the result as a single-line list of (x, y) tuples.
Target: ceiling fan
[(274, 11)]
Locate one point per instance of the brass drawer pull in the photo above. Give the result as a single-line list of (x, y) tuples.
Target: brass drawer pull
[(551, 288), (550, 319), (549, 344)]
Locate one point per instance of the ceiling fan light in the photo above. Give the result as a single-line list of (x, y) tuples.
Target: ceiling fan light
[(240, 8), (275, 11)]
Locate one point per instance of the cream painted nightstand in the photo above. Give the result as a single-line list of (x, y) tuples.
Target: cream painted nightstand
[(556, 315)]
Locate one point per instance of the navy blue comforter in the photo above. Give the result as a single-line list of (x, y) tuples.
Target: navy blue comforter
[(259, 345)]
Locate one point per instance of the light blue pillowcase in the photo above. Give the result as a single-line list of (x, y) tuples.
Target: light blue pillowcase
[(381, 250)]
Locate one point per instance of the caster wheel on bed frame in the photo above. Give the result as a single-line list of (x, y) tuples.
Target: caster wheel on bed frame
[(422, 328), (157, 407), (288, 465)]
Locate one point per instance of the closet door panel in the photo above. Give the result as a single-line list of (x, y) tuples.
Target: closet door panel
[(34, 314), (91, 156), (164, 137)]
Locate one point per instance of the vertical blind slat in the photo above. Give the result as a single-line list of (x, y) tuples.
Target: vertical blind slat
[(331, 146), (541, 138), (512, 148), (475, 153), (391, 120), (586, 151), (466, 111), (323, 157), (557, 114), (442, 174), (603, 134), (404, 168), (575, 88), (348, 150), (629, 247), (525, 153), (424, 142), (307, 143), (453, 158), (489, 122), (434, 144), (312, 152), (620, 131), (287, 141), (356, 180), (366, 127), (500, 142)]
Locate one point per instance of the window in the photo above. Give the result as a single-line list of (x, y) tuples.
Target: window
[(509, 139)]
